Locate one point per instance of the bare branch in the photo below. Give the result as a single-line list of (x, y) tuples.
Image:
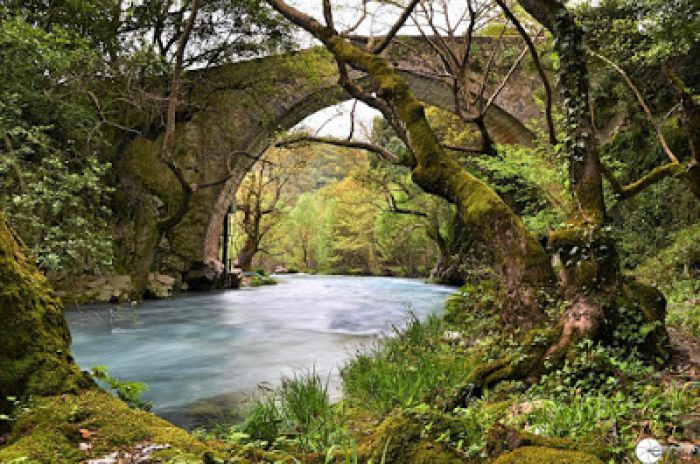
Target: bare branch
[(352, 120), (540, 70), (166, 153), (359, 21), (377, 149), (466, 150), (642, 103), (395, 28), (328, 14), (504, 81)]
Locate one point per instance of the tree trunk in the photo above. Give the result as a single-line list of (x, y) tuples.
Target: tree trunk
[(246, 255), (35, 342), (590, 273), (602, 300)]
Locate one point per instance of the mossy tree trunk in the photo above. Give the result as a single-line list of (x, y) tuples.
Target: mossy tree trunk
[(246, 255), (590, 272), (34, 341)]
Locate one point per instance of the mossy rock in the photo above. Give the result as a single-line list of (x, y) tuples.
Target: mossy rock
[(49, 431), (402, 439), (543, 455), (502, 441)]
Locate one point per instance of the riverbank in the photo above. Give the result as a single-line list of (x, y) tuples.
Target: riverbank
[(399, 407), (115, 288)]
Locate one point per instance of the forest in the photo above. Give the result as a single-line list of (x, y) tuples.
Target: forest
[(349, 231)]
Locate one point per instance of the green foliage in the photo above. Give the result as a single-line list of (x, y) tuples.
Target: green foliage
[(595, 414), (649, 31), (675, 269), (299, 414), (17, 408), (337, 219), (472, 306), (305, 400), (52, 181), (127, 391)]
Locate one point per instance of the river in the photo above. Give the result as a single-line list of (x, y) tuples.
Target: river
[(202, 354)]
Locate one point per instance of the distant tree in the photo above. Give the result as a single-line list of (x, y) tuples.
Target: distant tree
[(262, 199)]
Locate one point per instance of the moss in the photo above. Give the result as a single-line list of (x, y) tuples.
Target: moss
[(502, 439), (540, 455), (35, 341), (49, 431), (525, 364), (404, 439)]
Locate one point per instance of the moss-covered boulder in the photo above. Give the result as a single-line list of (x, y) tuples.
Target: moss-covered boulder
[(52, 429), (542, 455), (403, 438), (34, 341)]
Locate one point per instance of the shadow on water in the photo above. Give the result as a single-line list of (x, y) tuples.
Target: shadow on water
[(203, 355)]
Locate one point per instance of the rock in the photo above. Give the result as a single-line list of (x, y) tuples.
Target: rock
[(110, 288), (160, 286), (452, 336), (164, 279), (280, 270)]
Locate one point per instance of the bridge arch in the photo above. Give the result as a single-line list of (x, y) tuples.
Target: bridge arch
[(232, 109)]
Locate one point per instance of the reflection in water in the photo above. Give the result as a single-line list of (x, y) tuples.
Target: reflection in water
[(203, 347)]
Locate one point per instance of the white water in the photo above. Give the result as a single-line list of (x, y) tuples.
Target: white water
[(203, 352)]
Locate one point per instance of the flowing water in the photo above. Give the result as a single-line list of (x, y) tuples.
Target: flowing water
[(200, 354)]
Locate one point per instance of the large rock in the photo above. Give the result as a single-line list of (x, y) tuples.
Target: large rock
[(108, 288), (160, 286)]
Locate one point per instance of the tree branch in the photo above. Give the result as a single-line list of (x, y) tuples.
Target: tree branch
[(538, 65), (168, 138), (642, 103), (377, 149), (395, 28), (654, 176)]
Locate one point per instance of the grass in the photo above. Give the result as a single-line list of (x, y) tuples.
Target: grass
[(260, 280), (299, 415), (405, 370)]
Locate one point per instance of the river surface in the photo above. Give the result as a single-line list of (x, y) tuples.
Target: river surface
[(202, 354)]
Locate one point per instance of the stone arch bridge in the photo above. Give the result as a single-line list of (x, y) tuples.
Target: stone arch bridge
[(239, 107)]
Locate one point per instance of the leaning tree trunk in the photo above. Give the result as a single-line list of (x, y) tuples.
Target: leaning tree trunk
[(601, 299), (521, 260), (35, 342)]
